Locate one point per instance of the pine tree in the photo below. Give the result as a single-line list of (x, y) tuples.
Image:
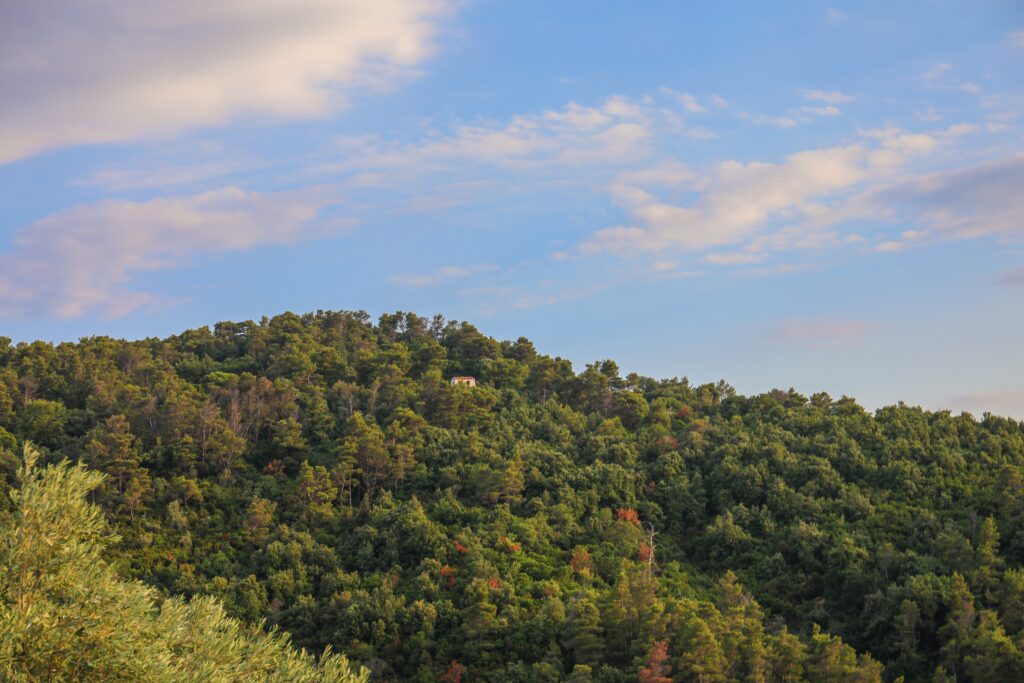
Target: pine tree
[(364, 441), (702, 660), (113, 450), (583, 633)]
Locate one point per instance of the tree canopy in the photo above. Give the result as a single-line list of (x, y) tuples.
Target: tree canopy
[(66, 615), (320, 475)]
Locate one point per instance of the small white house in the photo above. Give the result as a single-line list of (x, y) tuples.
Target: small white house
[(464, 379)]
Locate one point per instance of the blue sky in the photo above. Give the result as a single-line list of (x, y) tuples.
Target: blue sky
[(827, 197)]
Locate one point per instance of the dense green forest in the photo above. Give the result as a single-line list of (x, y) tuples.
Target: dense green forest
[(319, 474), (66, 615)]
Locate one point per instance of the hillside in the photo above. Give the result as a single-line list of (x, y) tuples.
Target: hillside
[(321, 472)]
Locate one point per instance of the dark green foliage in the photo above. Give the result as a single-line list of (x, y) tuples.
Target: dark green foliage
[(320, 472), (65, 614)]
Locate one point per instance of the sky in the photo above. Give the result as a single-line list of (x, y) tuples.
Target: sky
[(790, 194)]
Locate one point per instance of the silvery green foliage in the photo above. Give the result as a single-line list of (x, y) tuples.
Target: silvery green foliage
[(65, 615)]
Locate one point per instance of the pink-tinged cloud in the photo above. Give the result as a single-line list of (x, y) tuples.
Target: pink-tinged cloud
[(819, 332), (1012, 278), (74, 73), (85, 259), (983, 199)]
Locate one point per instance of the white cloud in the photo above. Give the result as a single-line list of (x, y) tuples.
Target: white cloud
[(889, 246), (112, 71), (912, 235), (739, 199), (1018, 38), (905, 239), (688, 101), (834, 16), (442, 274), (802, 202), (828, 110), (777, 207), (162, 174), (616, 148), (776, 121), (936, 71), (616, 132), (85, 259), (828, 96), (733, 258)]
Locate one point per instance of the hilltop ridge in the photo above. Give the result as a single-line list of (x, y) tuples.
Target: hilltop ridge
[(321, 472)]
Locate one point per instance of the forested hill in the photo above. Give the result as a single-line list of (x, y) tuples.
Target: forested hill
[(320, 472)]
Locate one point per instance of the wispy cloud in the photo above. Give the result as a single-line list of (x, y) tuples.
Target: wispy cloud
[(828, 110), (825, 102), (491, 300), (780, 269), (615, 132), (828, 96), (120, 71), (86, 259), (617, 148), (1012, 278), (157, 173), (834, 16), (766, 120), (689, 102), (906, 239), (443, 274), (819, 332), (937, 71), (733, 259), (982, 199)]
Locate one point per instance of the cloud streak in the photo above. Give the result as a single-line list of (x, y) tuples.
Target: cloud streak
[(615, 132), (979, 200), (443, 274), (86, 258), (819, 332), (114, 71), (828, 96), (1012, 278)]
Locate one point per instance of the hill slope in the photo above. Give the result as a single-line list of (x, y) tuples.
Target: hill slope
[(319, 471)]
